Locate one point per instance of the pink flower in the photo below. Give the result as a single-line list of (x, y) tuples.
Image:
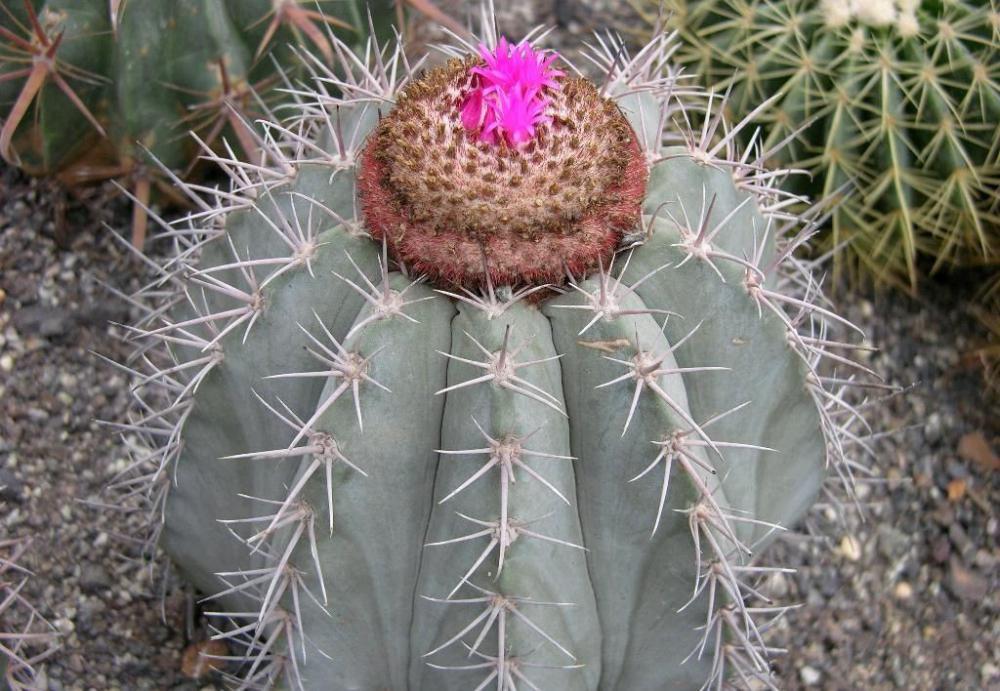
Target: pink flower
[(508, 98), (514, 117), (517, 67)]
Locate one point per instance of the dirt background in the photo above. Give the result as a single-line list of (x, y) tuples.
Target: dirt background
[(906, 597)]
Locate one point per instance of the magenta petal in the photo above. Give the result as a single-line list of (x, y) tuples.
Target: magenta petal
[(509, 98), (474, 110)]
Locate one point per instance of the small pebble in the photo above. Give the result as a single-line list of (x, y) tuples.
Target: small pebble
[(94, 578), (932, 428), (892, 543), (809, 676), (777, 585), (850, 548), (965, 583)]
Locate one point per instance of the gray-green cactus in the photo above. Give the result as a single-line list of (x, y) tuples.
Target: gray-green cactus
[(463, 479)]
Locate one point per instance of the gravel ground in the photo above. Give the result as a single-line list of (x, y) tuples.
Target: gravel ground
[(55, 456), (907, 598)]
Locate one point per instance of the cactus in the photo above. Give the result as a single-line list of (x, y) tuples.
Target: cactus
[(894, 102), (26, 639), (493, 377), (92, 89)]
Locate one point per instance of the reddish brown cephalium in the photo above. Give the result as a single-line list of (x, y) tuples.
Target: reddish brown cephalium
[(450, 201)]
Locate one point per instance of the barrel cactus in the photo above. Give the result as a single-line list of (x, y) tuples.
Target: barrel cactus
[(892, 102), (496, 376), (97, 89)]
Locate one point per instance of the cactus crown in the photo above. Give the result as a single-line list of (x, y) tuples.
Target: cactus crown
[(501, 165)]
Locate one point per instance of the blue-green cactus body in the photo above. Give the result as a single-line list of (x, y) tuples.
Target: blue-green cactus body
[(392, 486)]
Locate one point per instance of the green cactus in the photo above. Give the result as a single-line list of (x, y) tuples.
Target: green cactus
[(26, 639), (895, 99), (550, 460), (92, 89)]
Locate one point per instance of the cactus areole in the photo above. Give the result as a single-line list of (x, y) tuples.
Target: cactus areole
[(502, 165), (388, 469)]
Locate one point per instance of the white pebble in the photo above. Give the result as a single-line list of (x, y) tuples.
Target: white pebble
[(809, 676), (850, 548)]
